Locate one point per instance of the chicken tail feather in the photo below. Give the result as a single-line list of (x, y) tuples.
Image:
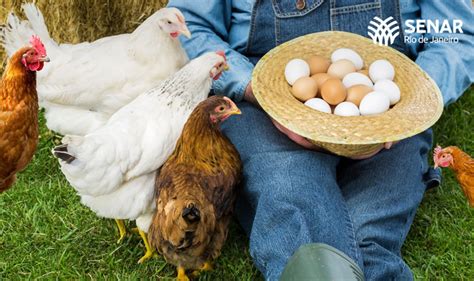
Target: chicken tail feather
[(36, 19), (62, 153), (17, 33), (14, 34)]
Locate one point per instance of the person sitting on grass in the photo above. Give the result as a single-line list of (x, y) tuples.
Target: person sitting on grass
[(293, 196)]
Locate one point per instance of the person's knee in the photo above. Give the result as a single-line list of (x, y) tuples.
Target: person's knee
[(292, 176)]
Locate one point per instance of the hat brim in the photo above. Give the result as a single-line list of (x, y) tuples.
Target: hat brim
[(420, 106)]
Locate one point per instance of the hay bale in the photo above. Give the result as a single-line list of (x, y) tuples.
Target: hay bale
[(74, 21)]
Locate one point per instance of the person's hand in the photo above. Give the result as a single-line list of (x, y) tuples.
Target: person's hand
[(248, 95), (295, 137), (309, 145), (386, 145)]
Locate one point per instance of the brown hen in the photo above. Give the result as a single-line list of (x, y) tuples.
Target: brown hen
[(196, 189), (463, 166), (19, 111)]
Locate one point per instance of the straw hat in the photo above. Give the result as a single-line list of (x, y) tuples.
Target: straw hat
[(420, 106)]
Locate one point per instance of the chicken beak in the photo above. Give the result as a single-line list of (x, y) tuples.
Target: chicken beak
[(234, 110), (185, 31), (226, 67), (436, 166), (44, 59), (237, 112)]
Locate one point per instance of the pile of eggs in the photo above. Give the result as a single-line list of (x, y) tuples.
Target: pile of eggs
[(341, 85)]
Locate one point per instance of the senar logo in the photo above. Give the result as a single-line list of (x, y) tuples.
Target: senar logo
[(383, 32), (433, 26), (424, 31)]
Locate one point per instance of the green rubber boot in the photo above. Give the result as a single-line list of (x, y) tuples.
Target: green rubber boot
[(321, 262)]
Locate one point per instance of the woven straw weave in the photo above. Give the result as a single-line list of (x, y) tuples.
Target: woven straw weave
[(419, 108)]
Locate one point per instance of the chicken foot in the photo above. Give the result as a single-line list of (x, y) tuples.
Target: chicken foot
[(122, 230), (207, 266), (149, 251), (182, 274)]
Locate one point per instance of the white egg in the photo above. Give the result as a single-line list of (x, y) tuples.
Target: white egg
[(318, 104), (381, 70), (346, 109), (390, 88), (374, 103), (348, 54), (356, 78), (295, 69)]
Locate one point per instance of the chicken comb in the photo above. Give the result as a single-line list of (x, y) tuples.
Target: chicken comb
[(221, 53), (35, 41), (437, 151)]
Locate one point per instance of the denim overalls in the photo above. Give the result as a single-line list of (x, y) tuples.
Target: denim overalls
[(292, 196), (274, 22)]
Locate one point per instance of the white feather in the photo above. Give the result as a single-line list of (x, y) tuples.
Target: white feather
[(114, 167), (100, 76)]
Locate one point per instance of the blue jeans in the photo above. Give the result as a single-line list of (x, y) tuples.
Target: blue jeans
[(292, 196)]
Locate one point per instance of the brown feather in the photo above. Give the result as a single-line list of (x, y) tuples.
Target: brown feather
[(463, 167), (203, 173), (18, 119)]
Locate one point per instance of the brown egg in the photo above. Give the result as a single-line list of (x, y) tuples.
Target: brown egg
[(304, 89), (333, 91), (318, 64), (357, 92), (340, 68), (364, 71), (321, 78)]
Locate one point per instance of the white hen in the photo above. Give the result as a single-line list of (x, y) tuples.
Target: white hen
[(113, 169), (86, 83)]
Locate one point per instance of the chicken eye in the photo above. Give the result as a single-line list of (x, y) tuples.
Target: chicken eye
[(169, 22), (221, 108)]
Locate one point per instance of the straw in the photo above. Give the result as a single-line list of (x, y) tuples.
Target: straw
[(419, 108), (74, 21)]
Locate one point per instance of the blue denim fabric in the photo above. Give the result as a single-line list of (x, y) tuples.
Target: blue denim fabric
[(275, 22), (220, 25), (292, 196), (225, 24)]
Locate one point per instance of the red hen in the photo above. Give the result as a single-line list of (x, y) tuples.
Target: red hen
[(19, 111)]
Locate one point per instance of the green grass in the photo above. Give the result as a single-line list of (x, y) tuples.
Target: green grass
[(45, 233), (440, 245)]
